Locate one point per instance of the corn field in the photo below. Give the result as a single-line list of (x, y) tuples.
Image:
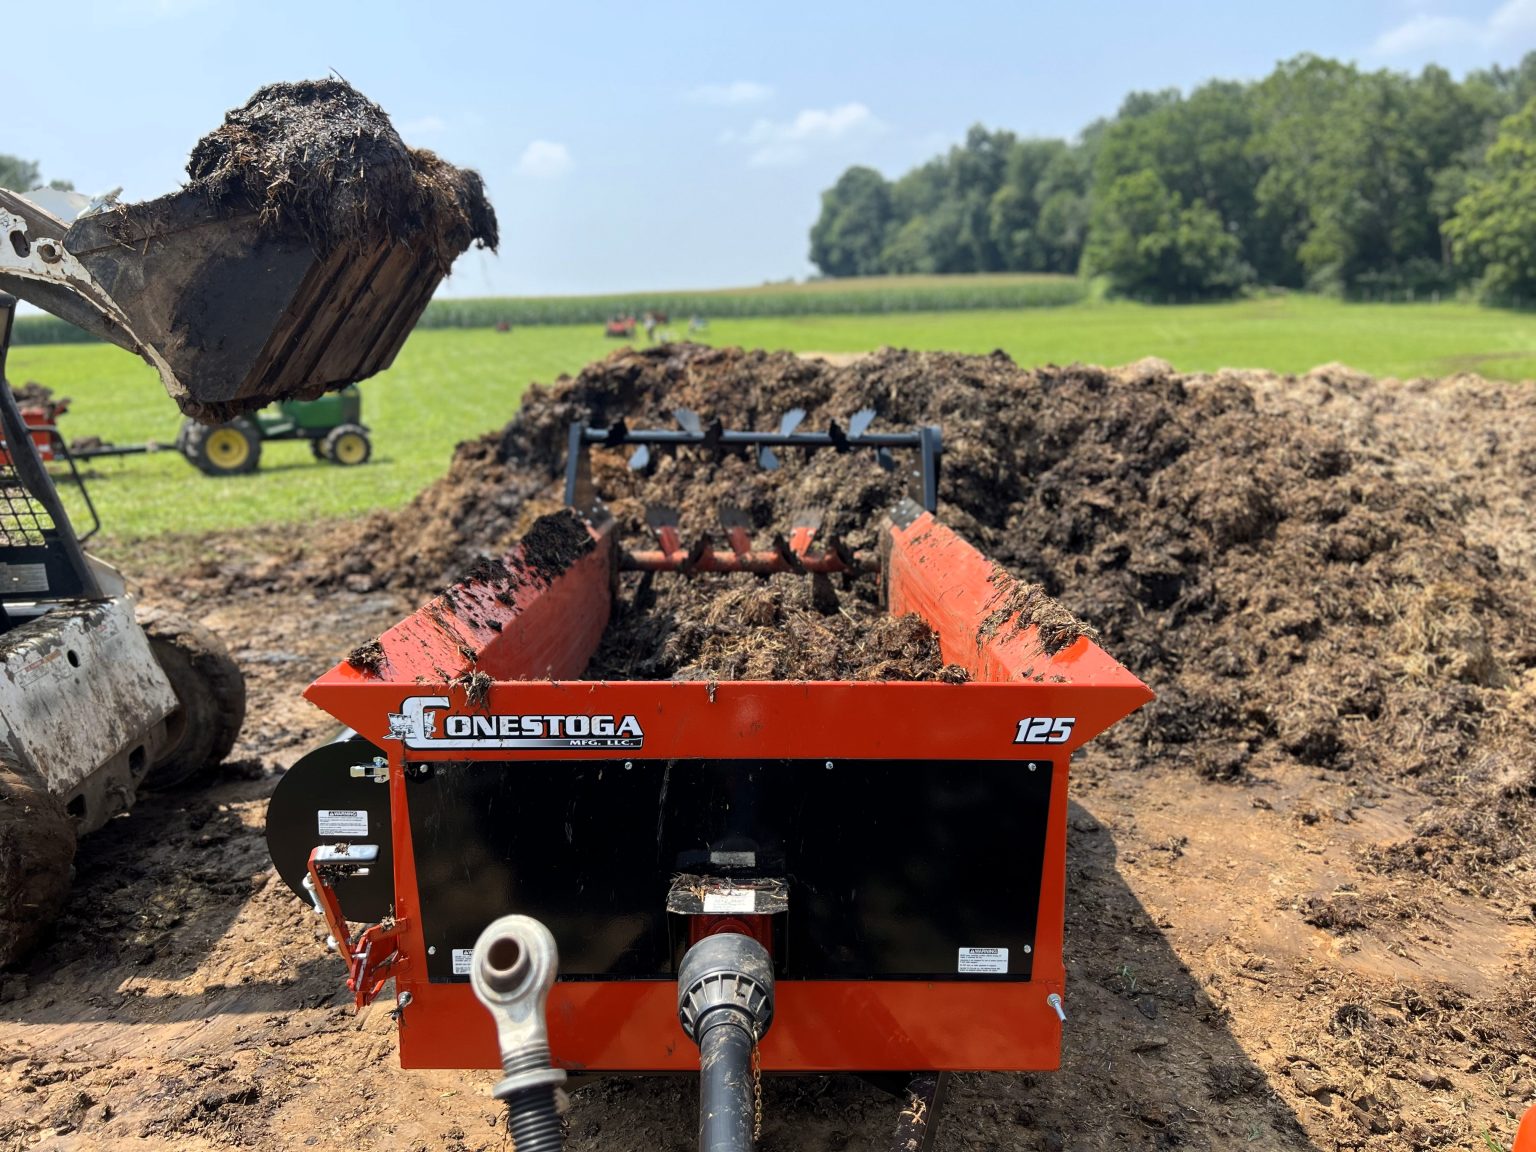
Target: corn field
[(873, 295), (819, 298)]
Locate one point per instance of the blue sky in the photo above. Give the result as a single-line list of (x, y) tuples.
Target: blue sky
[(671, 145)]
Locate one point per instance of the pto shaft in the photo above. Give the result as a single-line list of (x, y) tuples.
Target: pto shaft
[(725, 1003)]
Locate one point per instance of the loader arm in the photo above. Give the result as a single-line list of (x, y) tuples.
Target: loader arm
[(40, 554), (36, 266)]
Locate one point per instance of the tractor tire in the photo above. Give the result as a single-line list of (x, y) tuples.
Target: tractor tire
[(348, 445), (37, 852), (317, 448), (210, 689), (221, 449)]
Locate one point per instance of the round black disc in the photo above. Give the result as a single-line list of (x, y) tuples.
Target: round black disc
[(319, 801)]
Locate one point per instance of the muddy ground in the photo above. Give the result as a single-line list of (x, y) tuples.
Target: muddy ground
[(1301, 891)]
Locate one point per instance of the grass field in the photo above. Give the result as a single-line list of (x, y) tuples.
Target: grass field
[(1282, 334), (448, 385)]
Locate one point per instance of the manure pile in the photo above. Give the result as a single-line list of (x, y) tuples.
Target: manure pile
[(35, 395), (1298, 573)]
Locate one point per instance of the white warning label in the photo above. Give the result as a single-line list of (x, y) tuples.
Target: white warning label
[(345, 822), (731, 900), (461, 958), (983, 961)]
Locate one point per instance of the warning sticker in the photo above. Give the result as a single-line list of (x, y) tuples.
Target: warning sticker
[(983, 961), (731, 900), (461, 957), (343, 822)]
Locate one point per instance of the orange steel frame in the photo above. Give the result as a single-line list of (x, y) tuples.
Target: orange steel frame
[(1525, 1138), (534, 636)]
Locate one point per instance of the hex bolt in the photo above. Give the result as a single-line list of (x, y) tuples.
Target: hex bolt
[(1054, 1000)]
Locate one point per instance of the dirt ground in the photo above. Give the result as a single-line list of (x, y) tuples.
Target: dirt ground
[(1301, 903)]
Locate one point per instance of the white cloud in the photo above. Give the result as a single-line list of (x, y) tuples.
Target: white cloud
[(736, 92), (1511, 24), (1513, 18), (544, 160), (775, 143), (1423, 33)]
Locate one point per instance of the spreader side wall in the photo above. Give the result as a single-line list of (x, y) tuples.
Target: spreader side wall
[(507, 622), (978, 611)]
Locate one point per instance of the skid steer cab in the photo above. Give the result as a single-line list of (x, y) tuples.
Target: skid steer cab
[(333, 425)]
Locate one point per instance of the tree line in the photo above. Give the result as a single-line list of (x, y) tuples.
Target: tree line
[(22, 175), (1320, 176)]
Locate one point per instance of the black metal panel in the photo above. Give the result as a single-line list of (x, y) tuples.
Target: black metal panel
[(322, 782), (893, 866)]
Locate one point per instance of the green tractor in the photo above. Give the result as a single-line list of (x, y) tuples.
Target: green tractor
[(332, 425)]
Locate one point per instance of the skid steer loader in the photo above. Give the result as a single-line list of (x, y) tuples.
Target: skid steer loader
[(98, 698)]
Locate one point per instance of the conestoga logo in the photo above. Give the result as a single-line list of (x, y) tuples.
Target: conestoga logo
[(416, 726)]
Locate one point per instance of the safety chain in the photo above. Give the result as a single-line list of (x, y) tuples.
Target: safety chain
[(757, 1089)]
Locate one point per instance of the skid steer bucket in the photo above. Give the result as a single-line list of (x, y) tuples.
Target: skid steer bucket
[(233, 314), (297, 259), (240, 318)]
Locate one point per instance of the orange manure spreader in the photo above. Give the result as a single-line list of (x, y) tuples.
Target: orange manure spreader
[(564, 875)]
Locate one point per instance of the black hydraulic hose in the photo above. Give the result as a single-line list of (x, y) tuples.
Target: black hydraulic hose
[(727, 1093), (533, 1119)]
